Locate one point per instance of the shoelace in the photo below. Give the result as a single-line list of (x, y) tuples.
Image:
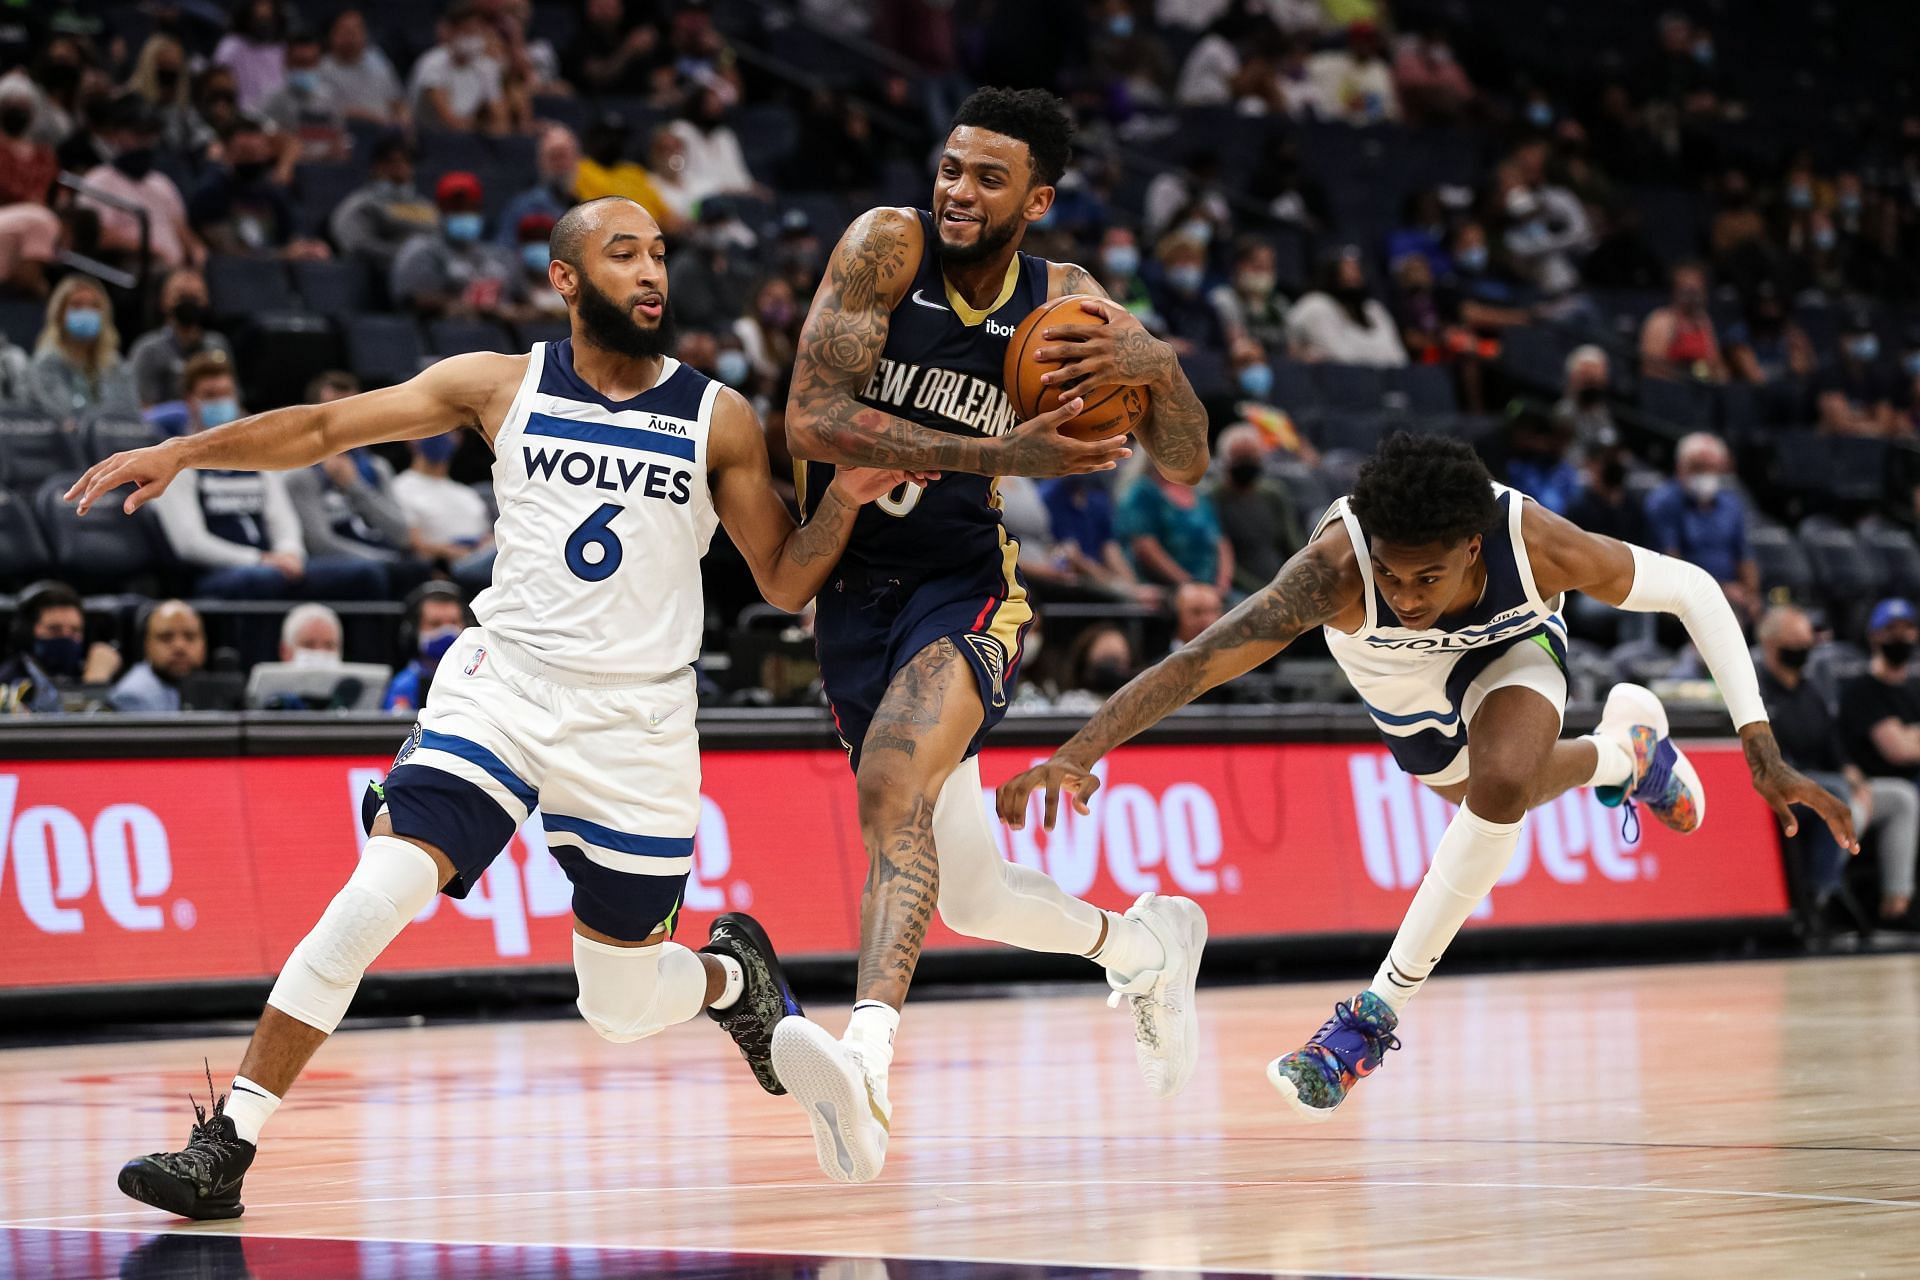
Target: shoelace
[(1345, 1019), (206, 1145), (1137, 992), (1629, 821)]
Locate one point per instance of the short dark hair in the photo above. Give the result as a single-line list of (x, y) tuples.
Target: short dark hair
[(1032, 116), (1421, 489), (568, 240)]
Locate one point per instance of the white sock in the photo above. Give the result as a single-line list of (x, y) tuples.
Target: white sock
[(1466, 866), (871, 1029), (1130, 947), (1614, 767), (736, 981), (250, 1106)]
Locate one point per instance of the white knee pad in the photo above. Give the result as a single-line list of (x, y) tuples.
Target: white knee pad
[(630, 993), (393, 883)]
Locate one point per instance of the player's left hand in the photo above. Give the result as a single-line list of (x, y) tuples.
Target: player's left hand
[(1057, 776), (1118, 353), (861, 485), (1782, 788)]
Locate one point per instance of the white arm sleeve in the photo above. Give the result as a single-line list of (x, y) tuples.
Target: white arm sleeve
[(1662, 584)]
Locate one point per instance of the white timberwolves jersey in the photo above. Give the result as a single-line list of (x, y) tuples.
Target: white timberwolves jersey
[(605, 512)]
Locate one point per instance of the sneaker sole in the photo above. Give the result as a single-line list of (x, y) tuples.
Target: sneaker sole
[(1188, 979), (1683, 769), (151, 1186), (805, 1058), (1313, 1115)]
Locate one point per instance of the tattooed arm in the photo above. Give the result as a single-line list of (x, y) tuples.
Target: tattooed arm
[(789, 564), (1319, 584), (840, 345), (1123, 352)]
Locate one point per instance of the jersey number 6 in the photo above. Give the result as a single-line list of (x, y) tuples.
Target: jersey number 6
[(593, 532)]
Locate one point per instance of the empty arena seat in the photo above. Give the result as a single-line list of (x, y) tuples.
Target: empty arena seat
[(1428, 388), (280, 352), (452, 337), (1684, 404), (1898, 556), (381, 349), (531, 331), (1357, 387), (1293, 387), (241, 287), (1849, 577), (334, 286), (1783, 564), (106, 546), (36, 447), (23, 552), (106, 436), (21, 320)]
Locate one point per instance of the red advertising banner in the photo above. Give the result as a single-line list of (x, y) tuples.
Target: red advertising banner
[(168, 870)]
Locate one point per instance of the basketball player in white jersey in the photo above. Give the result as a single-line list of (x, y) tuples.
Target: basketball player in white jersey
[(612, 464), (1440, 591)]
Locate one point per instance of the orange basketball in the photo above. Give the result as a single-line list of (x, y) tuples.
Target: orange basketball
[(1109, 411)]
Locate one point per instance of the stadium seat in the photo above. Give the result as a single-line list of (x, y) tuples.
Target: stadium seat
[(105, 436), (320, 188), (23, 552), (105, 547), (1684, 404), (35, 448), (382, 349), (334, 287), (1850, 578), (1427, 387), (242, 287), (529, 332), (1293, 387), (279, 353), (1358, 388), (1898, 556), (454, 337), (1783, 564), (1536, 356), (21, 320)]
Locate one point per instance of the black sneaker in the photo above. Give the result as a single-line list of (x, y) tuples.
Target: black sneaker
[(765, 999), (203, 1181)]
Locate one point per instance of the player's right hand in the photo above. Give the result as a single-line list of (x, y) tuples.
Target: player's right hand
[(149, 471), (1057, 776), (1037, 447)]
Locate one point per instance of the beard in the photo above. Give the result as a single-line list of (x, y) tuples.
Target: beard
[(611, 327), (993, 238)]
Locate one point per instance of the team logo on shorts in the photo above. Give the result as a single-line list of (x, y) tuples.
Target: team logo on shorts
[(994, 658), (408, 747), (473, 663)]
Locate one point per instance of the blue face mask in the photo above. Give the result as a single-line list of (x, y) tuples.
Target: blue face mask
[(1186, 279), (83, 323), (1912, 363), (1849, 203), (219, 412), (1120, 260), (1539, 114), (434, 644), (1120, 26), (1825, 238), (464, 228), (1864, 347), (1198, 229), (1256, 381), (1473, 258), (732, 367), (303, 81), (536, 256), (437, 449), (1799, 197), (59, 655)]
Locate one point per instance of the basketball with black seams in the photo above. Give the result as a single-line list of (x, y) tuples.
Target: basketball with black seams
[(1109, 411)]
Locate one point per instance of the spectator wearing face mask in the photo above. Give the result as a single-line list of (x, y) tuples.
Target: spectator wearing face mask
[(449, 521), (173, 643), (376, 221), (1699, 517), (306, 108), (768, 331), (1171, 532), (1256, 511), (244, 208), (1603, 506), (1355, 82), (255, 50), (1432, 86), (1181, 298), (360, 77), (27, 167), (77, 369), (159, 355), (311, 636), (1537, 463), (1582, 409), (52, 83), (1340, 323), (1873, 714), (458, 85), (1767, 348), (436, 615), (604, 170), (1250, 303), (557, 163), (458, 272), (131, 179), (160, 77), (50, 651), (534, 249), (1678, 341), (1856, 395), (1187, 201), (715, 164), (1547, 233), (346, 503), (1117, 267), (1099, 663), (237, 530)]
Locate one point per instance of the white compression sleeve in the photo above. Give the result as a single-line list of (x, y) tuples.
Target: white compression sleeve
[(1662, 584)]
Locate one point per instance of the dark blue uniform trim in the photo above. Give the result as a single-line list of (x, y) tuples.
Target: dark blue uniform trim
[(679, 396), (1431, 750), (606, 433)]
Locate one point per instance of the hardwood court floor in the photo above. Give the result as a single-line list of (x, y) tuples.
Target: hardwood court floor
[(1750, 1120)]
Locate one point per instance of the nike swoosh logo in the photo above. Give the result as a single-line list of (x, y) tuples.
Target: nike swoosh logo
[(656, 718), (923, 302)]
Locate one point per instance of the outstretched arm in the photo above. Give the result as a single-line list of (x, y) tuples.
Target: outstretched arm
[(1566, 557), (790, 564), (457, 392), (1175, 431), (1312, 588)]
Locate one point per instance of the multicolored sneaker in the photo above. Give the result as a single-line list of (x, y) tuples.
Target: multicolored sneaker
[(1348, 1046), (1664, 779)]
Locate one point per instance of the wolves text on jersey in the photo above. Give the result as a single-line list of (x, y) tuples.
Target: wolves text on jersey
[(970, 403), (615, 474)]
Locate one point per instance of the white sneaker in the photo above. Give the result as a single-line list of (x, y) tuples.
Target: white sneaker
[(1166, 1025), (846, 1102)]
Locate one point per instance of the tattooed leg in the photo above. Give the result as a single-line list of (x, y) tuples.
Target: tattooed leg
[(919, 735)]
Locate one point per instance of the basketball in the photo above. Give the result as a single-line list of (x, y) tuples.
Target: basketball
[(1109, 411)]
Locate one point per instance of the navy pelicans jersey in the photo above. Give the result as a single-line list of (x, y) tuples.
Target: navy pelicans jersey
[(1413, 682), (605, 512), (941, 368)]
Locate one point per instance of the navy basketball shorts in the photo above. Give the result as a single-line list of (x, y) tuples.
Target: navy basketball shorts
[(613, 763), (869, 625)]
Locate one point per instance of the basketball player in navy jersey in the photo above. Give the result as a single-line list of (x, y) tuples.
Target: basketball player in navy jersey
[(613, 462), (920, 626), (1440, 592)]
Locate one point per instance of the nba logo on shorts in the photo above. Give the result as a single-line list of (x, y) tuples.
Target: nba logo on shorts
[(473, 663)]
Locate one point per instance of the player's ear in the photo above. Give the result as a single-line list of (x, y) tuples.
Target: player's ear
[(564, 279), (1039, 200), (1473, 549)]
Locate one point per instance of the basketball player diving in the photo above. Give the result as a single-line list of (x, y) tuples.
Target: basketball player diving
[(920, 626), (1440, 592), (612, 464)]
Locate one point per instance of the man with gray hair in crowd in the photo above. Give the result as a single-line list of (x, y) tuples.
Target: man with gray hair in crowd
[(1811, 741), (311, 636), (1582, 408)]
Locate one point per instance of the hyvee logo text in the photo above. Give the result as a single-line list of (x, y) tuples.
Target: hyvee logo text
[(1142, 839), (63, 870)]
